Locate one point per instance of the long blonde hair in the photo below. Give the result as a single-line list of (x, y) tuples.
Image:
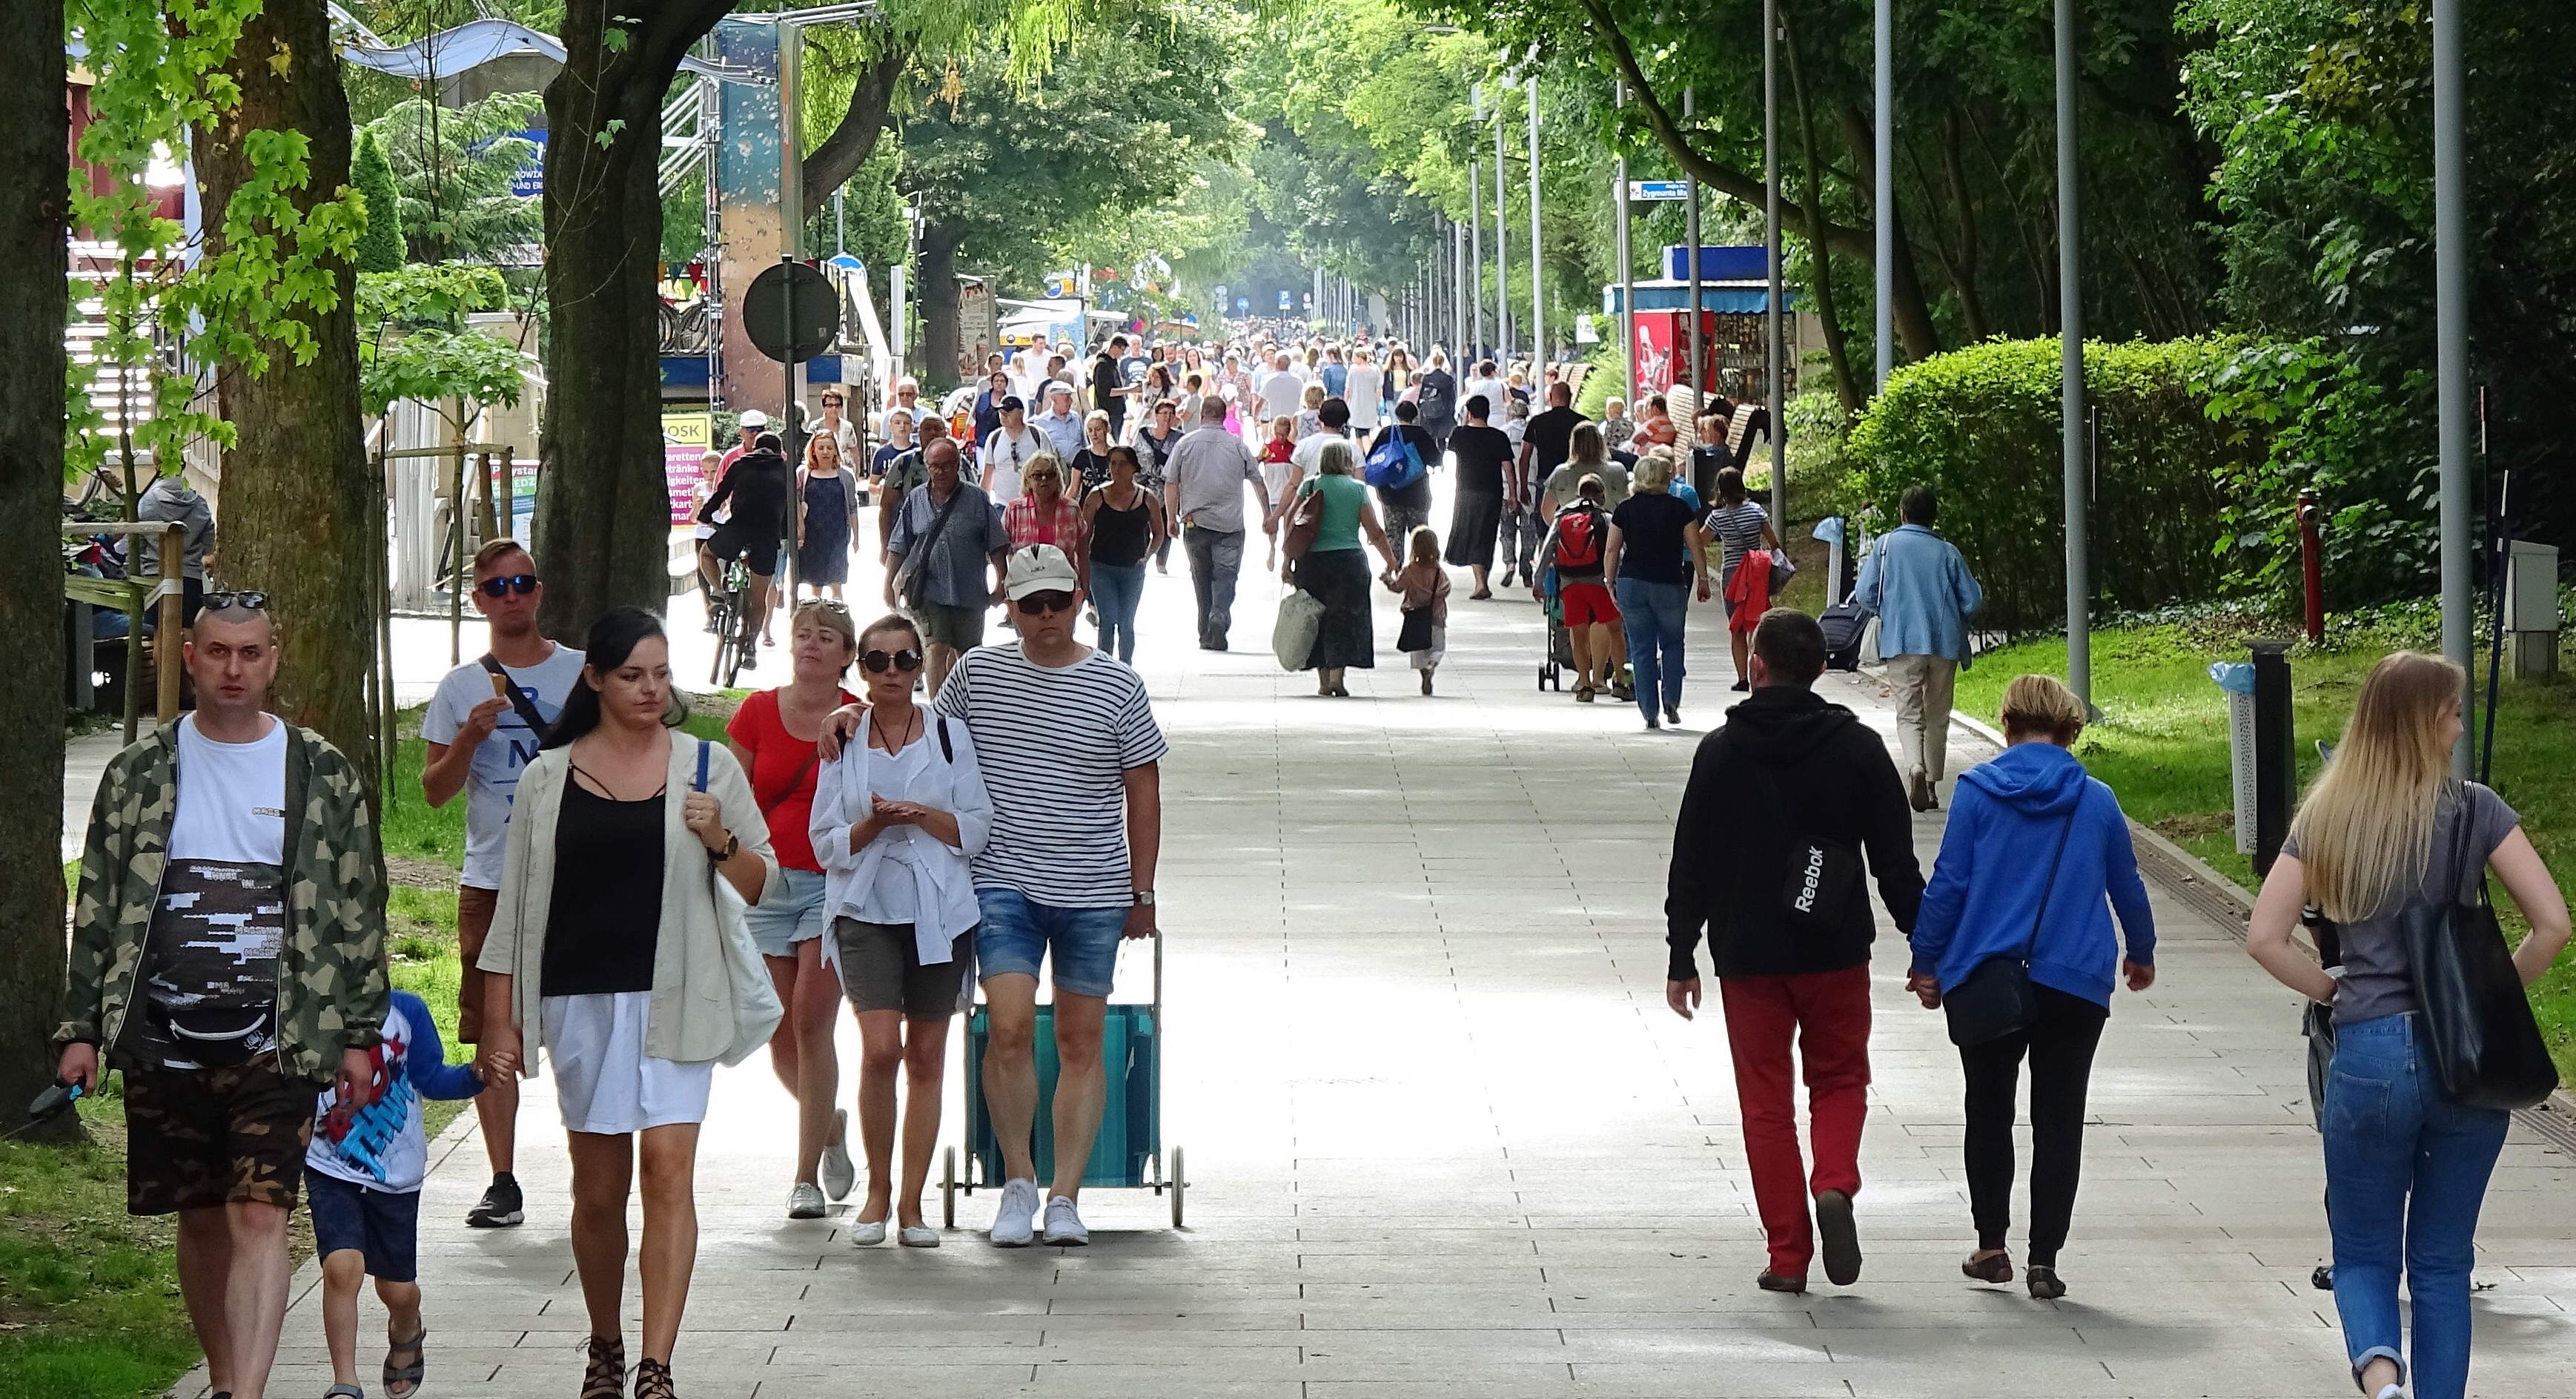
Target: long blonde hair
[(2365, 833)]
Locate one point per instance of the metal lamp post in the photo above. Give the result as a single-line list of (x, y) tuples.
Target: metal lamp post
[(2451, 342), (2070, 298)]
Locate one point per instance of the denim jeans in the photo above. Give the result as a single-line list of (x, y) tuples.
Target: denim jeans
[(1115, 590), (1521, 534), (2406, 1172), (1216, 557), (1654, 614)]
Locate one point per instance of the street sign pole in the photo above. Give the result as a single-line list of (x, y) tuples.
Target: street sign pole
[(1627, 264), (2451, 345), (1690, 109)]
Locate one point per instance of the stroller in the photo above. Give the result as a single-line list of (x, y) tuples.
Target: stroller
[(1559, 657)]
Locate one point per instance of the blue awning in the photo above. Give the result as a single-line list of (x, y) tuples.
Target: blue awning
[(1742, 298)]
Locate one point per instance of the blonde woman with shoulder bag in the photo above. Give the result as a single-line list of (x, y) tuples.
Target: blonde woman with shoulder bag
[(2386, 840)]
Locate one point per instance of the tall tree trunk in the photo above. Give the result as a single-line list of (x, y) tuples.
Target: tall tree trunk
[(1965, 272), (603, 510), (298, 499), (938, 293), (854, 138), (1828, 314), (35, 128)]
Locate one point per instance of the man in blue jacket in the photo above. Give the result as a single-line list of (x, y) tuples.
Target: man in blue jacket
[(1919, 587)]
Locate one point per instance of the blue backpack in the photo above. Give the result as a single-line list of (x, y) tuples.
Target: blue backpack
[(1394, 462)]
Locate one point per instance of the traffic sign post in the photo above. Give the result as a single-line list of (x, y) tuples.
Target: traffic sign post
[(791, 312)]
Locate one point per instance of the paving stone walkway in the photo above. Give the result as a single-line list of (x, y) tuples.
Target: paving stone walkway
[(1443, 1138)]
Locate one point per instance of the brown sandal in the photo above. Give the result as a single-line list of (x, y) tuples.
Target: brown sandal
[(1995, 1267)]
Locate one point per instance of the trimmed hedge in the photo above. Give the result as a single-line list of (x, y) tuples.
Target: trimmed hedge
[(1981, 425)]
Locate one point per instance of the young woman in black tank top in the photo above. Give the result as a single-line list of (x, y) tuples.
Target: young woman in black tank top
[(1123, 525)]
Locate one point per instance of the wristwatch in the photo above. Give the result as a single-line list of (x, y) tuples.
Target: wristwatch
[(732, 847), (1142, 898)]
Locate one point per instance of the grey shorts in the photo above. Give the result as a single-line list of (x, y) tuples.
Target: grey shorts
[(881, 969), (959, 628)]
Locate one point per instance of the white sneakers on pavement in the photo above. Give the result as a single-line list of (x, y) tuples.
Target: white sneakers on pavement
[(1013, 1222), (867, 1233), (1064, 1223), (840, 1173), (806, 1201)]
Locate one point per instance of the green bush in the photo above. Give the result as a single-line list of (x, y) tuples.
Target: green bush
[(1982, 426), (1607, 379)]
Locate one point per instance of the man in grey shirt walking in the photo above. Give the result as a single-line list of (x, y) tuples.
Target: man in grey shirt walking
[(945, 535), (1203, 489)]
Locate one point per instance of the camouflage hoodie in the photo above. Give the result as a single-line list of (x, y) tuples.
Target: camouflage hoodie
[(331, 982)]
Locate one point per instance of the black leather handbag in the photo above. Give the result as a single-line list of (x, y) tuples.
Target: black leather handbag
[(2485, 1048), (1997, 998)]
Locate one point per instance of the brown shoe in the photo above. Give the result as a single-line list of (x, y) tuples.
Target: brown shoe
[(1919, 792), (1773, 1282), (1994, 1267)]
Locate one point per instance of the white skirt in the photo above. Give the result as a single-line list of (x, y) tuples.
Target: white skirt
[(604, 1081)]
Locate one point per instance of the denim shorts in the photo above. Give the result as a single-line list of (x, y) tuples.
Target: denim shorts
[(788, 917), (384, 1225), (1018, 933)]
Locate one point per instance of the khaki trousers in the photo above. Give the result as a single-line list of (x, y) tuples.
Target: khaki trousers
[(1923, 685)]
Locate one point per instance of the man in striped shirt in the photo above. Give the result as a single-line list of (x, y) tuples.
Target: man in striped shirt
[(1072, 756)]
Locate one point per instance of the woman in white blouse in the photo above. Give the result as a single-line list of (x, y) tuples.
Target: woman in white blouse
[(896, 818), (1363, 390)]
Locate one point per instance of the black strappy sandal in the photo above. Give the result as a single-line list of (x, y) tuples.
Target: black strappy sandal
[(407, 1376), (1994, 1268), (653, 1379), (604, 1377)]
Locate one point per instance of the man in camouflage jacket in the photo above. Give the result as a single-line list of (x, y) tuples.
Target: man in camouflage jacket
[(227, 953)]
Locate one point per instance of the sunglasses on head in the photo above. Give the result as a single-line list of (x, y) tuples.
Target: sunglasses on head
[(1036, 603), (879, 662), (236, 602), (520, 583)]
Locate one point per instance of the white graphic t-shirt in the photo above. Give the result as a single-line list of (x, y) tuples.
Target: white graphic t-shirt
[(498, 759)]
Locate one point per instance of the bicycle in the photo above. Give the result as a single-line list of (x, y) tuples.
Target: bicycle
[(729, 613)]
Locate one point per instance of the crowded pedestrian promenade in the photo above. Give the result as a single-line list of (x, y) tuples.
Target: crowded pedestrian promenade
[(1444, 1137)]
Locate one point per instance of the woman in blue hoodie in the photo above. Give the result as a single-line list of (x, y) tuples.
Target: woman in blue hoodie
[(2033, 849)]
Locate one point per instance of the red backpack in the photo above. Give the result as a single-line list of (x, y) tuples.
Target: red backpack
[(1578, 538)]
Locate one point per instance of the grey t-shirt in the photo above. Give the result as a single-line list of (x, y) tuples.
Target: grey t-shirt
[(2377, 979)]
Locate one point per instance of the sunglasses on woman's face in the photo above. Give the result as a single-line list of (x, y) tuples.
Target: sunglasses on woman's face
[(520, 583), (1037, 603), (879, 662)]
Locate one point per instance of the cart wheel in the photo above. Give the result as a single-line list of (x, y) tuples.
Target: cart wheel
[(948, 1188), (1178, 1182)]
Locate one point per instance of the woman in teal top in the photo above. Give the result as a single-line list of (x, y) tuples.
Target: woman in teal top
[(1336, 572)]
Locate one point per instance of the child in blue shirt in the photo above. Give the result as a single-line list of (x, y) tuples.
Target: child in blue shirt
[(362, 1177)]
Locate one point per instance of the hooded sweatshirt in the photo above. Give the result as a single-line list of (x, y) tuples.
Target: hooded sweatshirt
[(1833, 781), (170, 499), (1984, 898)]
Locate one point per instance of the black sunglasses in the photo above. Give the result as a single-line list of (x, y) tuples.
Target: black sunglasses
[(520, 583), (236, 602), (1036, 603), (879, 662)]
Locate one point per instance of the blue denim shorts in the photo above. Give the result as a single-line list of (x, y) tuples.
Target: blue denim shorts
[(384, 1225), (789, 916), (1018, 933)]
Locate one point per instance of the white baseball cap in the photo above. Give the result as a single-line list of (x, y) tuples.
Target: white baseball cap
[(1039, 568), (755, 418)]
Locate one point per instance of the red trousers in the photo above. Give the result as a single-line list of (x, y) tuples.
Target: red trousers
[(1828, 1014)]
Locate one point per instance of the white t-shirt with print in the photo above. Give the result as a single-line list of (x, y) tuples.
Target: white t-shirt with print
[(494, 777), (232, 797)]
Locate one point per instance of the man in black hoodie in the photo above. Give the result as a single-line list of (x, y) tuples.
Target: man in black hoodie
[(1766, 856)]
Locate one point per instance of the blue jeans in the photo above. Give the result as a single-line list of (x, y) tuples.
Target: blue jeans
[(1216, 557), (2406, 1172), (1019, 933), (1654, 614), (1115, 590)]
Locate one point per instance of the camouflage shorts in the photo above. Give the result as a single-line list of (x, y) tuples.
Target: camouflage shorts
[(197, 1138)]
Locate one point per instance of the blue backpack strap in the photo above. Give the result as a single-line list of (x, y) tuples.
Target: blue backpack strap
[(703, 746), (947, 750)]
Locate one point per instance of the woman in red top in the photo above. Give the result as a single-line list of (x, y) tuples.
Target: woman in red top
[(773, 736), (1045, 514)]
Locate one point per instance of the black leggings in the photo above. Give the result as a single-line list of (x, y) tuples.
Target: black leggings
[(2060, 1046)]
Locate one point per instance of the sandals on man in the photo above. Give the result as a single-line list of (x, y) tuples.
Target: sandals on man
[(403, 1381)]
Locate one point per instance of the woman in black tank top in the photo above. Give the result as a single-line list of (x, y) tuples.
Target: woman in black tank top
[(1123, 524)]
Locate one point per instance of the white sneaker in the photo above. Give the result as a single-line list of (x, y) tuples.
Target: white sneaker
[(1011, 1223), (918, 1236), (806, 1201), (840, 1174), (1064, 1223), (867, 1233)]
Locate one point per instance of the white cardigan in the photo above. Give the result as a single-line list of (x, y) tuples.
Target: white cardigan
[(694, 1016), (943, 882)]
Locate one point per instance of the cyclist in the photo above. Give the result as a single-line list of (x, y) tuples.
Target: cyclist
[(760, 489)]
